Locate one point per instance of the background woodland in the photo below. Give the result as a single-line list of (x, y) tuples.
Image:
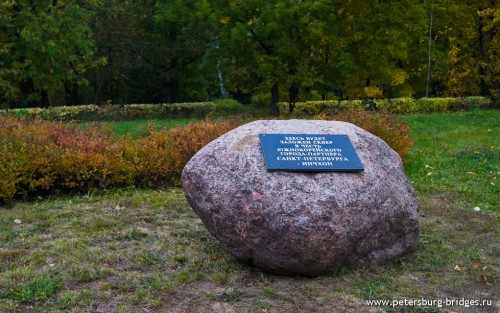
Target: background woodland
[(73, 52)]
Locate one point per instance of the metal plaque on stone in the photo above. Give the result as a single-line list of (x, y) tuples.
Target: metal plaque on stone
[(309, 152)]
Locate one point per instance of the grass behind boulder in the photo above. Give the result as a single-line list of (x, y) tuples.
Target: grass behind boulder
[(133, 250)]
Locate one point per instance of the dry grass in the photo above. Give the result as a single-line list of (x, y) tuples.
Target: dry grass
[(146, 251)]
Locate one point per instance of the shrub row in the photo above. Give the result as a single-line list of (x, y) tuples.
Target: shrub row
[(115, 112), (41, 157), (227, 106), (392, 129), (312, 108), (399, 105)]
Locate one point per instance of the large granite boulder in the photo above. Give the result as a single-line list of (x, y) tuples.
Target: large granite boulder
[(303, 223)]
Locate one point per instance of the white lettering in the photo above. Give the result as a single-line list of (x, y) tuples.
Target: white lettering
[(288, 158), (317, 164), (336, 159), (315, 138), (322, 142)]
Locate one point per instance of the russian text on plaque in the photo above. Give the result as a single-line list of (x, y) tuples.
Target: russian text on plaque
[(309, 152)]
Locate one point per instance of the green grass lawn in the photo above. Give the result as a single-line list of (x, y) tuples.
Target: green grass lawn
[(457, 153), (138, 127), (135, 250)]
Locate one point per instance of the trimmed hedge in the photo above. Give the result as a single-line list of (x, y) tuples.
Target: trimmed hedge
[(397, 105), (393, 106), (311, 108), (115, 112), (229, 106)]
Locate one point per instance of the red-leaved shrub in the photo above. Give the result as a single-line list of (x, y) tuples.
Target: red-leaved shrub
[(390, 128), (162, 154), (41, 157), (38, 157)]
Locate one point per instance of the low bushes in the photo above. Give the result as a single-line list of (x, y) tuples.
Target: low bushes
[(312, 108), (395, 106), (159, 157), (227, 106), (40, 157), (393, 130), (115, 112)]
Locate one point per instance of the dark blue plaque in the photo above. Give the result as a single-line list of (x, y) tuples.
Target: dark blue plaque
[(306, 152)]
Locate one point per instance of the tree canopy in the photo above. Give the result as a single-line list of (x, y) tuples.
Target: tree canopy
[(67, 52)]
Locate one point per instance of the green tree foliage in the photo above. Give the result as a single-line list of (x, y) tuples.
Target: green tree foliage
[(465, 47), (153, 51), (49, 46), (290, 45), (490, 23), (6, 44), (183, 32), (120, 38), (388, 48), (293, 50)]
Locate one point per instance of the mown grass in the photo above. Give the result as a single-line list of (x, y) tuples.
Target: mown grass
[(146, 251), (457, 153), (136, 128)]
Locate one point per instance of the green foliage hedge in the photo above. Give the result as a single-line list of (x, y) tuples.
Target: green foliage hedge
[(311, 108), (397, 105), (225, 106), (229, 106), (115, 112)]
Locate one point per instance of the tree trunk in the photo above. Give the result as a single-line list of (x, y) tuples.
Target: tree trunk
[(173, 91), (275, 98), (27, 88), (324, 94), (44, 99), (293, 92), (482, 71), (71, 92), (222, 87)]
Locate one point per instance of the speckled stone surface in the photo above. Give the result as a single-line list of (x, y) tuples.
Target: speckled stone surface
[(303, 223)]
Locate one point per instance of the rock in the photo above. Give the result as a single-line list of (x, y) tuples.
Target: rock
[(303, 223)]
